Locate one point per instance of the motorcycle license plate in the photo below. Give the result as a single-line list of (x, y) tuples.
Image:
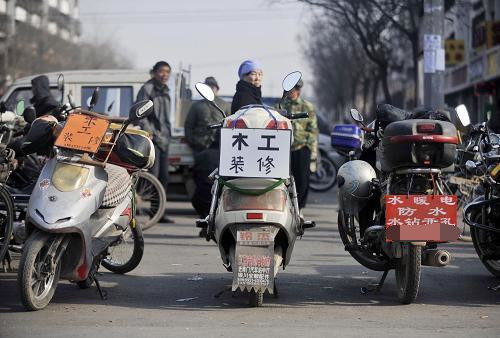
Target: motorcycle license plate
[(82, 132), (429, 218), (254, 238)]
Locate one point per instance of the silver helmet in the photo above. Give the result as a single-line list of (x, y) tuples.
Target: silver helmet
[(355, 185)]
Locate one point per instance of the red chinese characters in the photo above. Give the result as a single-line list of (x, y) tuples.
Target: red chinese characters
[(430, 218)]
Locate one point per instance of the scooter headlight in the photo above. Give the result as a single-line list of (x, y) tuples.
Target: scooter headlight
[(69, 177), (271, 200)]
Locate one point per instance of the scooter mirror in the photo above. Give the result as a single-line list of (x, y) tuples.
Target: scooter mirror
[(94, 98), (291, 80), (60, 82), (463, 115), (205, 91), (140, 110), (356, 115), (29, 114), (20, 107)]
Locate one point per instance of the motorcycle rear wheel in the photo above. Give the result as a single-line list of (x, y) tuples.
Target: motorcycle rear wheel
[(37, 283), (127, 253), (408, 270), (256, 298), (363, 256), (486, 244), (151, 200), (325, 176)]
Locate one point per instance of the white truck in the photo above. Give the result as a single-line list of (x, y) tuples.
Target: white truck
[(118, 90)]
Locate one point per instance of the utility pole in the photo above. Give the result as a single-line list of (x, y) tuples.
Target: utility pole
[(434, 63)]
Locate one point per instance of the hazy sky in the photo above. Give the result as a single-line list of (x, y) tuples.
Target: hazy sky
[(213, 36)]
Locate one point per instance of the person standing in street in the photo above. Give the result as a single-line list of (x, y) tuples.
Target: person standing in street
[(158, 123), (305, 142), (201, 115), (248, 88), (205, 145)]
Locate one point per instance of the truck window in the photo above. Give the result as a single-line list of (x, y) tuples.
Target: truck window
[(113, 101), (26, 94)]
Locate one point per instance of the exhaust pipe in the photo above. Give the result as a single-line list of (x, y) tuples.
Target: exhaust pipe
[(436, 257)]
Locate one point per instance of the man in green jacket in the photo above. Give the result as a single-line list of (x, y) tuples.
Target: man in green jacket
[(305, 142), (200, 116)]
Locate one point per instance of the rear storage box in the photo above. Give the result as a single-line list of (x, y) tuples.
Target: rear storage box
[(418, 144), (346, 136)]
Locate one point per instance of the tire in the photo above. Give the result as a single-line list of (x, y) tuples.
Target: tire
[(113, 263), (85, 284), (151, 200), (255, 298), (31, 263), (325, 176), (363, 257), (485, 244), (6, 220), (408, 270)]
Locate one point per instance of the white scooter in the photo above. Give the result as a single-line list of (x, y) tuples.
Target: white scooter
[(254, 218)]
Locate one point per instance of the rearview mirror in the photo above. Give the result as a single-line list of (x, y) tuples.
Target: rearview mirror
[(463, 115), (291, 80), (356, 115), (29, 114), (94, 99), (19, 107), (205, 91), (140, 110), (60, 82)]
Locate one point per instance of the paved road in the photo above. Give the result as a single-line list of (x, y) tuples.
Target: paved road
[(319, 294)]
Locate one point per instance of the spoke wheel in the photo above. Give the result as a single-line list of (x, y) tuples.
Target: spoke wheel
[(150, 200), (6, 219), (126, 254), (36, 278), (487, 246), (408, 270), (325, 176)]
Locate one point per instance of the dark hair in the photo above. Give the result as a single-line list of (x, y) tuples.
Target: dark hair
[(160, 64)]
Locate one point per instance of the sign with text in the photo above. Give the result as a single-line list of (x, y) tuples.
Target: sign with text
[(430, 218), (255, 153), (82, 132)]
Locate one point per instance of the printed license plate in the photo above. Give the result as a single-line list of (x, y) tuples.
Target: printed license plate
[(83, 133), (254, 237), (429, 218)]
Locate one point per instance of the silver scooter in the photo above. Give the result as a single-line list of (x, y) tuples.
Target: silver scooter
[(255, 221), (80, 208)]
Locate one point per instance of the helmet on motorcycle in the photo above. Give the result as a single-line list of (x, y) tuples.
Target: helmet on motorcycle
[(355, 185)]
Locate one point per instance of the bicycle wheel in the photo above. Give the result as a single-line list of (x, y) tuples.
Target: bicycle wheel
[(150, 200), (6, 219), (125, 255), (325, 176)]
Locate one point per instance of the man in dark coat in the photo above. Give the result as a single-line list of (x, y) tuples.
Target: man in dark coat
[(201, 115), (42, 99), (248, 89), (158, 123)]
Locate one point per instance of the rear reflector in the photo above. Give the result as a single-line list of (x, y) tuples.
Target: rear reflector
[(281, 125), (255, 215), (240, 124), (426, 128)]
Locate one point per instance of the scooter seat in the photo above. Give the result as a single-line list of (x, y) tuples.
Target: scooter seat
[(119, 184)]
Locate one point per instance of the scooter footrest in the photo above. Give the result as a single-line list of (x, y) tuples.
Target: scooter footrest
[(309, 224), (202, 223)]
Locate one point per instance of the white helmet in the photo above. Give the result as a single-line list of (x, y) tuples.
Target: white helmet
[(355, 185)]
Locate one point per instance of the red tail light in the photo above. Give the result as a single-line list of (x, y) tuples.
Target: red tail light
[(255, 215), (426, 128), (281, 125), (240, 124)]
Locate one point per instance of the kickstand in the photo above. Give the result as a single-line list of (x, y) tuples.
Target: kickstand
[(375, 288), (102, 293)]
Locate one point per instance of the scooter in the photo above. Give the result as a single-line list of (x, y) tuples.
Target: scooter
[(254, 215), (82, 206)]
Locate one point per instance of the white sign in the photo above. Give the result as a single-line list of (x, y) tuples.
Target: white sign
[(432, 41), (255, 153), (429, 61), (440, 59)]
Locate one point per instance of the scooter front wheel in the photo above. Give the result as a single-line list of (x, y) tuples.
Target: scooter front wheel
[(256, 298), (126, 254), (37, 280), (408, 274)]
